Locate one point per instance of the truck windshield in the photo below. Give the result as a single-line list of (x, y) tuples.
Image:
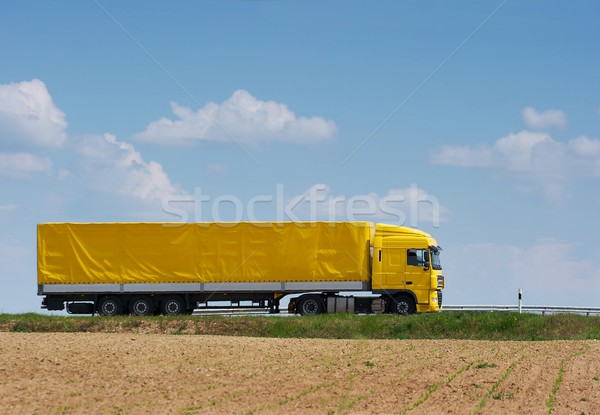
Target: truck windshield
[(435, 260)]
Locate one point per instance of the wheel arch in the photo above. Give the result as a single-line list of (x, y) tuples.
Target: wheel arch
[(389, 294)]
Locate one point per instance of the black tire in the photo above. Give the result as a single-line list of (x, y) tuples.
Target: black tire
[(403, 304), (172, 306), (141, 306), (110, 305), (310, 305)]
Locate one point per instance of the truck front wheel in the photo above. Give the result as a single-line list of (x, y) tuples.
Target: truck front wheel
[(403, 304), (310, 305), (110, 305)]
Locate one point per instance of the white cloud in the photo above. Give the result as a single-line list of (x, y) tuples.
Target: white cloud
[(63, 174), (532, 156), (404, 206), (23, 165), (513, 152), (217, 168), (585, 147), (7, 208), (464, 156), (546, 119), (417, 204), (548, 271), (116, 166), (29, 117), (245, 118)]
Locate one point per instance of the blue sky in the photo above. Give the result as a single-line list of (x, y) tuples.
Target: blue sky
[(476, 121)]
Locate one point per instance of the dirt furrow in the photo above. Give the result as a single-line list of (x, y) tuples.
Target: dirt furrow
[(192, 374)]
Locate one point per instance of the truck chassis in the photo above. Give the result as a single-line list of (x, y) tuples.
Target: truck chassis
[(143, 304)]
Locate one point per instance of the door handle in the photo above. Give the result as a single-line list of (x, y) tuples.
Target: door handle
[(408, 282)]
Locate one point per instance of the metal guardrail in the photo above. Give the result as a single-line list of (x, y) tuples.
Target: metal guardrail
[(535, 309), (232, 312)]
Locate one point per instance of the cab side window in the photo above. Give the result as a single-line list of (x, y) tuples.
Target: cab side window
[(417, 257)]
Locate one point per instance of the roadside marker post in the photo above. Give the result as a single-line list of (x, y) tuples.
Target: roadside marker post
[(520, 300)]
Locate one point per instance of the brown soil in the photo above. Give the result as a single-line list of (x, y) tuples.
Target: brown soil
[(180, 374)]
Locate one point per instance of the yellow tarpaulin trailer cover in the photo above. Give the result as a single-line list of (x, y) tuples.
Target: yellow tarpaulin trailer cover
[(73, 253)]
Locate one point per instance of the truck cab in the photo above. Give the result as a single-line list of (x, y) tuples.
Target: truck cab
[(407, 269)]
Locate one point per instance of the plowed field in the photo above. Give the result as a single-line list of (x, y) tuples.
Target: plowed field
[(183, 374)]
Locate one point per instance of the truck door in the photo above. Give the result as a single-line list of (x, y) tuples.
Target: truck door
[(393, 268), (417, 275)]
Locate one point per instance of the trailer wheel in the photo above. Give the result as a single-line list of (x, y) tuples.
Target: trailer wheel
[(172, 306), (310, 305), (403, 304), (141, 306), (110, 305)]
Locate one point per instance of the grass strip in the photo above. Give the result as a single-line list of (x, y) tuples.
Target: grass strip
[(444, 325), (551, 401)]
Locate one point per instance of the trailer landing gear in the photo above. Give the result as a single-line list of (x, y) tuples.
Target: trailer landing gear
[(274, 306)]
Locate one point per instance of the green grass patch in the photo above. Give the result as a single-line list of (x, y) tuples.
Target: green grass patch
[(550, 402), (485, 365), (445, 325)]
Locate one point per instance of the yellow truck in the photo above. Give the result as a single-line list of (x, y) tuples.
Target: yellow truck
[(174, 268)]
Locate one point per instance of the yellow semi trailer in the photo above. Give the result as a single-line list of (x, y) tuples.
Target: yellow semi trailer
[(173, 268)]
